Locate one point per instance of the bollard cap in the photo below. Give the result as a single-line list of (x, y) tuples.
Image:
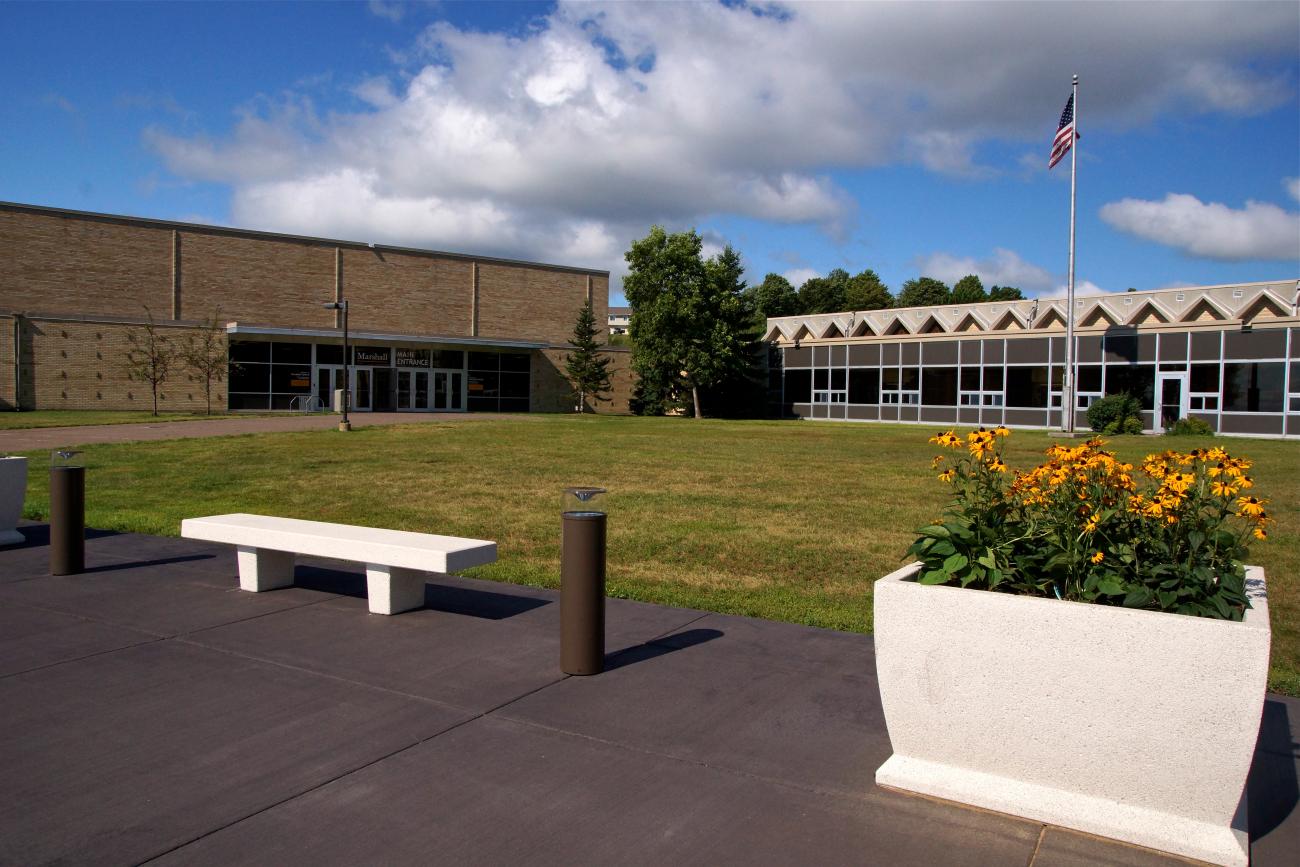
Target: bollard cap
[(65, 458), (583, 501)]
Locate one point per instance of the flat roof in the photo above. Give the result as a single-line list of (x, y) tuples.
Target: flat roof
[(354, 336), (211, 229)]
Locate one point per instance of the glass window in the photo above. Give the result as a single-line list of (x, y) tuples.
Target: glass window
[(1089, 377), (250, 377), (1253, 387), (911, 379), (839, 377), (329, 353), (821, 378), (992, 379), (798, 386), (244, 350), (372, 356), (484, 361), (291, 378), (1138, 380), (452, 359), (970, 379), (509, 404), (939, 386), (249, 401), (291, 353), (889, 379), (514, 385), (517, 361), (1205, 378), (483, 404), (1026, 387), (864, 385), (484, 384)]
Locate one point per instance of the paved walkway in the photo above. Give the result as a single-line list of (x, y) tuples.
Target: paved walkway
[(55, 437), (152, 712)]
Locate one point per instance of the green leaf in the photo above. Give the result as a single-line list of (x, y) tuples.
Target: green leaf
[(1110, 586), (955, 563), (1138, 598), (934, 576)]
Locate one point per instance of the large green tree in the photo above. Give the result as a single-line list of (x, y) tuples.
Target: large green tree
[(775, 296), (585, 367), (824, 294), (1005, 293), (688, 318), (922, 292), (968, 290), (866, 291)]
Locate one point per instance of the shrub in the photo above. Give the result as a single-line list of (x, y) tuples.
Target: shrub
[(1190, 427), (1081, 527), (1108, 415)]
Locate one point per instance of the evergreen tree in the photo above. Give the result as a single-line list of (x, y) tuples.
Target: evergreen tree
[(825, 294), (968, 290), (923, 292), (866, 291), (775, 296), (1005, 293), (586, 370)]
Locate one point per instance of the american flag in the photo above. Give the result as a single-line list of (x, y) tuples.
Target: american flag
[(1064, 134)]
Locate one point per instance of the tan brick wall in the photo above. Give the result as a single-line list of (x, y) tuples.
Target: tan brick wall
[(536, 304), (403, 292), (254, 280), (52, 264), (82, 365), (7, 397), (552, 392)]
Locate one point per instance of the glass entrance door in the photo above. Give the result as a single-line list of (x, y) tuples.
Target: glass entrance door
[(412, 390), (448, 390), (361, 391), (1172, 389), (328, 379)]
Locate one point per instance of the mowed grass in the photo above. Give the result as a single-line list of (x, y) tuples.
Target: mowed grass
[(80, 418), (788, 521)]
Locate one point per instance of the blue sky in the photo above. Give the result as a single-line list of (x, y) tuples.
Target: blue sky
[(908, 138)]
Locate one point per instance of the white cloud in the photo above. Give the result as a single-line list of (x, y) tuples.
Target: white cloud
[(1292, 186), (1003, 268), (799, 276), (1081, 288), (571, 137), (1210, 230), (389, 9)]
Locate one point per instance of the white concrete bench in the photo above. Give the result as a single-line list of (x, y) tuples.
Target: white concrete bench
[(396, 561)]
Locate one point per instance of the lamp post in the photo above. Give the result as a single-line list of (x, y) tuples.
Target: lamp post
[(344, 425)]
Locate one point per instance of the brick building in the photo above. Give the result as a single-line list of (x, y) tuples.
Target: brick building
[(429, 330)]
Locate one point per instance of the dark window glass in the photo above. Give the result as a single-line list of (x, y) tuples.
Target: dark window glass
[(514, 385), (509, 404), (1138, 380), (939, 386), (1253, 387), (1089, 377), (1256, 343), (329, 353), (249, 401), (484, 384), (453, 359), (1058, 377), (519, 361), (992, 379), (250, 377), (484, 361), (1026, 387), (911, 379), (247, 351), (889, 379), (483, 404), (798, 386), (821, 378), (839, 378), (864, 385), (291, 353), (291, 378), (970, 379), (283, 401), (1121, 347), (1205, 377)]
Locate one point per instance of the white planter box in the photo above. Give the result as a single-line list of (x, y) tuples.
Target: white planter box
[(13, 490), (1134, 725)]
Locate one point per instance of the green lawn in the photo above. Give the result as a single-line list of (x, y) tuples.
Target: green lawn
[(784, 520), (82, 417)]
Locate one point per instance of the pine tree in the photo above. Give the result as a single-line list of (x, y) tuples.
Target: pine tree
[(585, 368)]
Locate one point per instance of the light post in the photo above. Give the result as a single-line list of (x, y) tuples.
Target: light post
[(344, 425)]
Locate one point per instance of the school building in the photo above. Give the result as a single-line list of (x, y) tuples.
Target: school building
[(429, 330), (1227, 354)]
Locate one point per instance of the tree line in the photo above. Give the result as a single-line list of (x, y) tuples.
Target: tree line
[(838, 292)]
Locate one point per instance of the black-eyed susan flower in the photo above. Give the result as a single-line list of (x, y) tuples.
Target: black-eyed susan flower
[(1250, 506)]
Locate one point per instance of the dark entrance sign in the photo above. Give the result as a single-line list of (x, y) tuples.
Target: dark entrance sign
[(412, 357), (372, 355)]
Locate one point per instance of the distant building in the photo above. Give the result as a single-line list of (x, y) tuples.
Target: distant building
[(1229, 355), (619, 319)]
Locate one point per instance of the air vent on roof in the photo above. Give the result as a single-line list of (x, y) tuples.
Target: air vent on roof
[(1180, 297), (1236, 293), (1128, 301)]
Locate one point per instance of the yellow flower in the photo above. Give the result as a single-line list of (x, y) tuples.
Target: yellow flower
[(1098, 557), (1090, 525), (1001, 431), (1222, 489), (947, 475), (947, 439), (1250, 506), (1259, 533), (938, 459)]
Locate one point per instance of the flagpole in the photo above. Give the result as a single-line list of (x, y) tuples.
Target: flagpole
[(1067, 392)]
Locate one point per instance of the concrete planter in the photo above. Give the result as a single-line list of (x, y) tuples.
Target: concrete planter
[(1134, 725), (13, 491)]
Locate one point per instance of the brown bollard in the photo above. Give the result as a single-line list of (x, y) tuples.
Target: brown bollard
[(582, 593), (67, 520)]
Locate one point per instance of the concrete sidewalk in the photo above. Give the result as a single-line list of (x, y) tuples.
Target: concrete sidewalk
[(28, 439), (151, 711)]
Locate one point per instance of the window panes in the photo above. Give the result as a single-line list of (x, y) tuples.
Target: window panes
[(864, 385), (1138, 380), (1205, 378), (798, 386), (291, 353), (244, 350), (939, 386), (1027, 387), (993, 379), (1253, 386)]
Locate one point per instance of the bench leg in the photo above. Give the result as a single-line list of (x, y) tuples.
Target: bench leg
[(393, 590), (260, 569)]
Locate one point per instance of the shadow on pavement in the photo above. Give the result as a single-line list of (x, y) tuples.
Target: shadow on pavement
[(1272, 791), (660, 647), (484, 604)]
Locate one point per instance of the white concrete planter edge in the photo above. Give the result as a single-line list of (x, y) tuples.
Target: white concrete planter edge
[(1134, 725), (13, 493)]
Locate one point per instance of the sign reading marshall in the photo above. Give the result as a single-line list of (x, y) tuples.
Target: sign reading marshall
[(378, 355), (412, 357)]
